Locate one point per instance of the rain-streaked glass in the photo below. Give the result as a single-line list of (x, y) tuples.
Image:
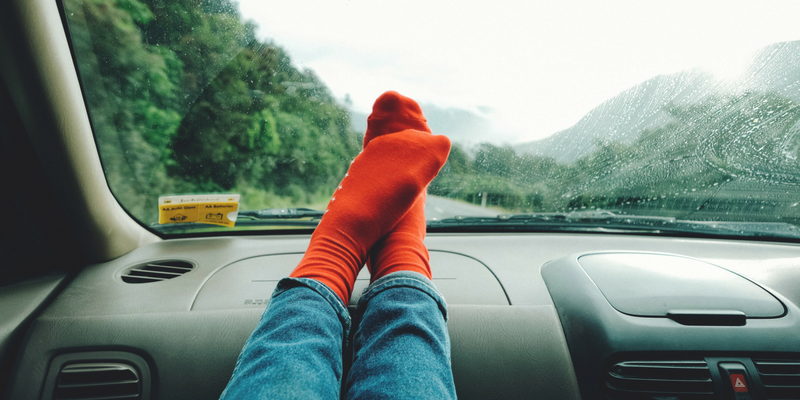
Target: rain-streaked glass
[(189, 97)]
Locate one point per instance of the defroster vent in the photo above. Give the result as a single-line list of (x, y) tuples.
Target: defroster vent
[(157, 271), (98, 381), (635, 380), (781, 378)]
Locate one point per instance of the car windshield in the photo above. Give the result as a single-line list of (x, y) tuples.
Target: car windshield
[(668, 117)]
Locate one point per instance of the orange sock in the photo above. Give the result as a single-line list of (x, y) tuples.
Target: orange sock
[(378, 190), (403, 248)]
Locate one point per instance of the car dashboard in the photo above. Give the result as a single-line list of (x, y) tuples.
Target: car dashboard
[(532, 315), (122, 313)]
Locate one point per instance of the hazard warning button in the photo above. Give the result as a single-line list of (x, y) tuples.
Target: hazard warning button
[(739, 383)]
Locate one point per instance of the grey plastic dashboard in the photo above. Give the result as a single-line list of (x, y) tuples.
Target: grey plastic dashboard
[(508, 340)]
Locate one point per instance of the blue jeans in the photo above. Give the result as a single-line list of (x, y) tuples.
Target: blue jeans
[(400, 348)]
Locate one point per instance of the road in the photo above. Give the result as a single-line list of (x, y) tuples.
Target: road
[(437, 208)]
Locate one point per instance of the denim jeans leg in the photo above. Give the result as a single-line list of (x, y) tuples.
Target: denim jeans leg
[(296, 350), (401, 345)]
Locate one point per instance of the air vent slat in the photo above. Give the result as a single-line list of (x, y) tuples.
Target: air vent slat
[(153, 273), (775, 380), (782, 393), (662, 392), (78, 368), (666, 396), (168, 268), (663, 386), (797, 375), (127, 390), (120, 397), (157, 271), (627, 378), (687, 370), (657, 379), (86, 385), (776, 367), (79, 374), (141, 279), (95, 381), (781, 378)]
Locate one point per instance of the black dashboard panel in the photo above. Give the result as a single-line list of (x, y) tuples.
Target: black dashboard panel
[(599, 333), (506, 329)]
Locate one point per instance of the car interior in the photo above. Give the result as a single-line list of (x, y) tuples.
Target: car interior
[(96, 305)]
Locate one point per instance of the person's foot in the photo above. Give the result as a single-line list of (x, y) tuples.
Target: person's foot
[(383, 183), (402, 249)]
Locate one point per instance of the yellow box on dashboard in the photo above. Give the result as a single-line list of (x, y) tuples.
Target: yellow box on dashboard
[(216, 209)]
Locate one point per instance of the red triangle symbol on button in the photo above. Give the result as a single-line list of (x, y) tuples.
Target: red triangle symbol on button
[(739, 383)]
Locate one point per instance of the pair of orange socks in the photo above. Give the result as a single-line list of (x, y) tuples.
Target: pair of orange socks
[(377, 214)]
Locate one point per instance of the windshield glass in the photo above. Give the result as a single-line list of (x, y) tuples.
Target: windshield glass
[(667, 116)]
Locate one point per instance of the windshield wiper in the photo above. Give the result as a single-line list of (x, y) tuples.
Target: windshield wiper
[(282, 213), (554, 218), (602, 220)]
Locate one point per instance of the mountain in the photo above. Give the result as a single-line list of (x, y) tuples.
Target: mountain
[(623, 117), (774, 69)]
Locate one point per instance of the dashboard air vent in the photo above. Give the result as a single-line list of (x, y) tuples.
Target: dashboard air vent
[(98, 381), (781, 378), (157, 271), (686, 380)]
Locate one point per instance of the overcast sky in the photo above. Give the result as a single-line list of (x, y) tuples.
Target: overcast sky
[(532, 67)]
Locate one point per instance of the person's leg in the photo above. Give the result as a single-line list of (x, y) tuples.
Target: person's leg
[(383, 183), (401, 346), (296, 350)]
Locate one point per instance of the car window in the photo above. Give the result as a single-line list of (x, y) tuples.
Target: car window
[(660, 117)]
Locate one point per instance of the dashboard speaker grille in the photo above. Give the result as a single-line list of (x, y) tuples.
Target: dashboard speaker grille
[(781, 378), (685, 380), (98, 381), (157, 271)]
